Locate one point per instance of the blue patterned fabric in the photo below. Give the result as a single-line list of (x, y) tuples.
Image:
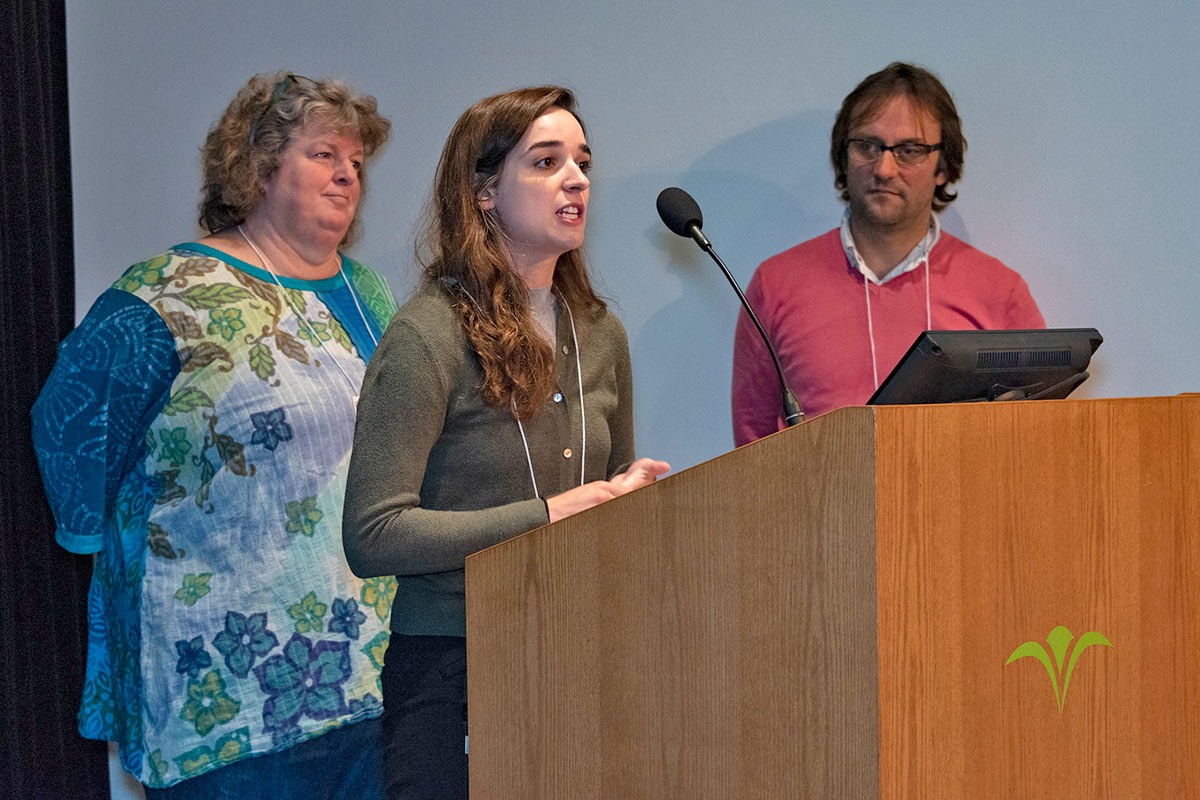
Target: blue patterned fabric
[(195, 435)]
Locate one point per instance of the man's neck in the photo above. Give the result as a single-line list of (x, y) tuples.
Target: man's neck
[(882, 248)]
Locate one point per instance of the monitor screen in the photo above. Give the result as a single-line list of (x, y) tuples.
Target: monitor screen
[(967, 366)]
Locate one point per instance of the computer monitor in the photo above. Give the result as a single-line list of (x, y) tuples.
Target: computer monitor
[(968, 366)]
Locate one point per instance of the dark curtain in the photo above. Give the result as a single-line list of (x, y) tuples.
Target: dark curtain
[(42, 587)]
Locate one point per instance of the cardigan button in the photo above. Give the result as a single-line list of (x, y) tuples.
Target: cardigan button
[(566, 350), (567, 453), (558, 397)]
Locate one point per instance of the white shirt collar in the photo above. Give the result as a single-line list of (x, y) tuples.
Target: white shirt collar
[(918, 256)]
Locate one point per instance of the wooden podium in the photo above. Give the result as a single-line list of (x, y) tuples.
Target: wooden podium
[(831, 613)]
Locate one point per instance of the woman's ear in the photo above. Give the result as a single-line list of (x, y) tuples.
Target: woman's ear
[(486, 194)]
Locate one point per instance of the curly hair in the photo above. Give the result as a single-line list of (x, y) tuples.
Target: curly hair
[(927, 94), (461, 247), (243, 150)]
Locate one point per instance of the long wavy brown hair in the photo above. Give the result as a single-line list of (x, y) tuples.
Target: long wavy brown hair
[(244, 148), (461, 249)]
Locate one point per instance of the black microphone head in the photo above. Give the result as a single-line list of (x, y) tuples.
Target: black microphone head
[(679, 211)]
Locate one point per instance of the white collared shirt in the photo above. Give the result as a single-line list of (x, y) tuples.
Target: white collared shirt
[(918, 256)]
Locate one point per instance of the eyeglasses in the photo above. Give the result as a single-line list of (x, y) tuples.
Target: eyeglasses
[(280, 88), (907, 154)]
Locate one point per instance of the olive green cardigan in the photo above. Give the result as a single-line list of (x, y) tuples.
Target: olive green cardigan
[(436, 474)]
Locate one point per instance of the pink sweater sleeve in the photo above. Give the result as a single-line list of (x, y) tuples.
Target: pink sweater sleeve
[(1022, 310)]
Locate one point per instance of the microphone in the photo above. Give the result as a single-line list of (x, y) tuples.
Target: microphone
[(681, 214)]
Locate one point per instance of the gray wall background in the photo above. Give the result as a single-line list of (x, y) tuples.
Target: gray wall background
[(1081, 173)]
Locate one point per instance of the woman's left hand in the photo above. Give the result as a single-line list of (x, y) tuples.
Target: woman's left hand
[(640, 473), (572, 501)]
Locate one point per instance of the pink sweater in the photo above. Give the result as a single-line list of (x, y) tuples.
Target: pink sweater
[(811, 302)]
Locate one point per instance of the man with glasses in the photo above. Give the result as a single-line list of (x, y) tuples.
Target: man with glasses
[(843, 308)]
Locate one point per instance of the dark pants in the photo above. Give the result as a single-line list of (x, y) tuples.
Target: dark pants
[(343, 764), (425, 717)]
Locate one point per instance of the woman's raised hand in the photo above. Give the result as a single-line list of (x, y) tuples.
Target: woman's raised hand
[(641, 472)]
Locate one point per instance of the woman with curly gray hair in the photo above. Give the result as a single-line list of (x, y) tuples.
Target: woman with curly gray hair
[(195, 436)]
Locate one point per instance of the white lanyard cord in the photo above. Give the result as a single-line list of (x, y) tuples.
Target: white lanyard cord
[(871, 332), (528, 458), (871, 324), (582, 413), (928, 309), (450, 282), (354, 295), (312, 331), (579, 379)]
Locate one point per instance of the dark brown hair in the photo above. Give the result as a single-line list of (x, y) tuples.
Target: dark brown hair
[(462, 248), (243, 150), (927, 94)]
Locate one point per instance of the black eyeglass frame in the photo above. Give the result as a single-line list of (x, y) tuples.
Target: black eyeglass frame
[(922, 151)]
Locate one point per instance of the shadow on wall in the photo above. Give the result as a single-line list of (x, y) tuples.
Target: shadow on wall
[(761, 192)]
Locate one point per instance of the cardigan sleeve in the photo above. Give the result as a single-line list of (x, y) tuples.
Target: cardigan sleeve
[(112, 377)]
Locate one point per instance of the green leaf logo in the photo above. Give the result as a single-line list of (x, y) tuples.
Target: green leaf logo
[(1059, 640)]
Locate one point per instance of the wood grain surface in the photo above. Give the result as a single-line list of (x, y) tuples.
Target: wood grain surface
[(827, 613), (998, 524)]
